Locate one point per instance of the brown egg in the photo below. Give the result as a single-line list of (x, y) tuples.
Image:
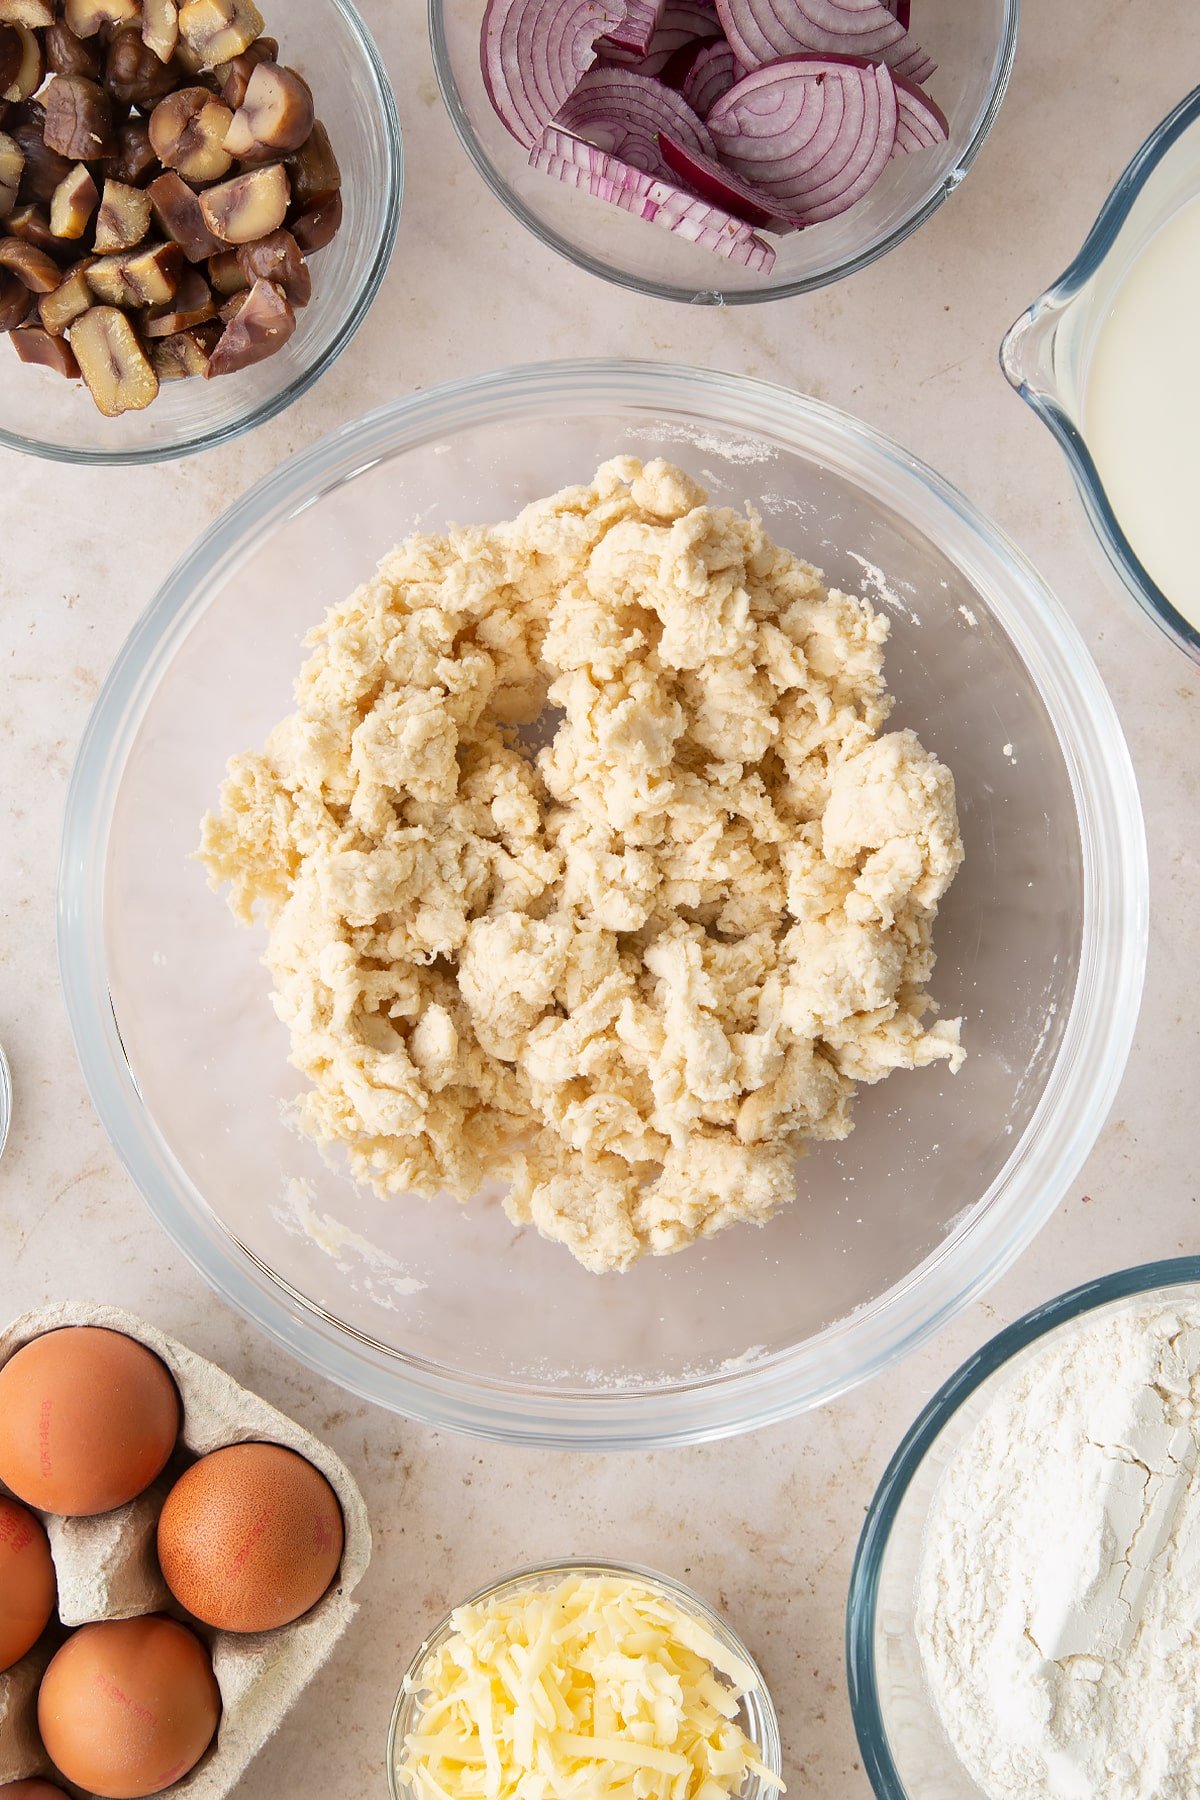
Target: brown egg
[(27, 1586), (36, 1789), (88, 1418), (128, 1707), (250, 1537)]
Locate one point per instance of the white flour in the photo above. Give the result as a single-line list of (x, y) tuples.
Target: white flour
[(1058, 1605)]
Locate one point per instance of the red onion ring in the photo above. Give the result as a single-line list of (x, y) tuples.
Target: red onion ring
[(813, 132), (533, 53), (606, 177), (623, 112)]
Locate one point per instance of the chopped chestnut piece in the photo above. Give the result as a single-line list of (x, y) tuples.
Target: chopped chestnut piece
[(32, 225), (194, 69), (216, 31), (39, 272), (263, 324), (152, 276), (177, 210), (12, 50), (139, 278), (78, 118), (235, 76), (85, 17), (106, 278), (16, 301), (226, 274), (61, 307), (73, 203), (35, 15), (33, 345), (44, 168), (12, 161), (248, 206), (276, 115), (233, 306), (193, 304), (134, 156), (277, 258), (186, 353), (187, 130), (112, 362), (31, 70), (318, 226), (123, 219), (133, 74), (68, 55), (313, 170), (160, 27)]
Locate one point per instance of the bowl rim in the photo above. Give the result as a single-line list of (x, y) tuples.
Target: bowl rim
[(388, 119), (922, 1434), (713, 295), (1046, 405), (980, 1245), (6, 1099), (770, 1751)]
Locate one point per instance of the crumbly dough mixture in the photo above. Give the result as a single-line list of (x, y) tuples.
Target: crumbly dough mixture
[(631, 973)]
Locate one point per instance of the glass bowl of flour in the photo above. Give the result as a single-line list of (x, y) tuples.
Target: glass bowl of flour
[(1024, 1613)]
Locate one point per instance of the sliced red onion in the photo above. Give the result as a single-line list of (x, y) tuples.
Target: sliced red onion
[(683, 22), (635, 33), (679, 66), (533, 54), (813, 132), (921, 123), (760, 31), (713, 72), (718, 185), (606, 177), (623, 112), (902, 10)]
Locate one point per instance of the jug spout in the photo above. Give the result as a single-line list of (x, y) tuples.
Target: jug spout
[(1027, 354)]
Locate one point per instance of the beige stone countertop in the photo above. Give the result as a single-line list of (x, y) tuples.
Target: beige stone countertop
[(765, 1525)]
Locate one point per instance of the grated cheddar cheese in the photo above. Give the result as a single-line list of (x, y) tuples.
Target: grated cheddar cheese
[(599, 1687)]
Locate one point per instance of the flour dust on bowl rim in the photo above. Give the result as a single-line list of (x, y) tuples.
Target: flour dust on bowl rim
[(974, 47), (906, 1752), (444, 1312)]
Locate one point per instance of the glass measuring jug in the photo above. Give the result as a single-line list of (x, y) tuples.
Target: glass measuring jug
[(1052, 353)]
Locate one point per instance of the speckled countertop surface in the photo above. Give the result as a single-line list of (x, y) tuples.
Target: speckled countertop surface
[(766, 1525)]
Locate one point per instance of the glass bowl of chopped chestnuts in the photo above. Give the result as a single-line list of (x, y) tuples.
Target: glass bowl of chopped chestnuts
[(194, 216)]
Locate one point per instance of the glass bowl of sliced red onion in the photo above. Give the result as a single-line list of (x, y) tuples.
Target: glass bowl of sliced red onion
[(723, 151)]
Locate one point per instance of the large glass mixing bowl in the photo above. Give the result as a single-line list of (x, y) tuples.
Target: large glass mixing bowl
[(446, 1312)]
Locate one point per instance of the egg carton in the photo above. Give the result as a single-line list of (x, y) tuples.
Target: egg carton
[(107, 1569)]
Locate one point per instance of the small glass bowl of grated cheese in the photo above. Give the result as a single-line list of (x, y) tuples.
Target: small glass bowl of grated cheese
[(580, 1681)]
